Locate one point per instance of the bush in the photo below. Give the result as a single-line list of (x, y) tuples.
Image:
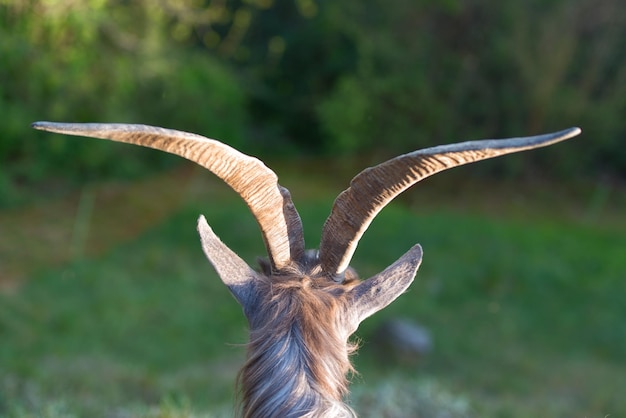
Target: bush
[(445, 71), (101, 62)]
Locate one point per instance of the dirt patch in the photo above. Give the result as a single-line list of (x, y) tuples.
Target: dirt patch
[(91, 221)]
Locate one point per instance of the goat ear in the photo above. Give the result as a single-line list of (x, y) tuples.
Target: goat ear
[(234, 272), (375, 293)]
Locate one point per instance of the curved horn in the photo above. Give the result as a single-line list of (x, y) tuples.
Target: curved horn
[(369, 192), (270, 203)]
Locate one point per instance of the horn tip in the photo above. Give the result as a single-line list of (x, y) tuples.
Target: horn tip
[(574, 131), (40, 125), (58, 127)]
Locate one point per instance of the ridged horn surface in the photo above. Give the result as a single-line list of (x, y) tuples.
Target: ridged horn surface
[(270, 203), (373, 188)]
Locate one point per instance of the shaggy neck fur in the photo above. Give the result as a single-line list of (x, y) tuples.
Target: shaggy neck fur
[(298, 351)]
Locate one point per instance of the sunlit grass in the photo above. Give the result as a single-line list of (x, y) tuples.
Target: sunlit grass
[(526, 316)]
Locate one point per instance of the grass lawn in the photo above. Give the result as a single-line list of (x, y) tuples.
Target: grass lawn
[(109, 308)]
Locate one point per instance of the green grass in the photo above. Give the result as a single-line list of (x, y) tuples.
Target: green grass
[(527, 318)]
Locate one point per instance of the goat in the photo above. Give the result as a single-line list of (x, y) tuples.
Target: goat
[(303, 305)]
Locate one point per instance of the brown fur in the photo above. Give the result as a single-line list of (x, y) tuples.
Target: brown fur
[(299, 345)]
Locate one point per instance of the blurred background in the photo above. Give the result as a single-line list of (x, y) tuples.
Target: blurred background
[(107, 306)]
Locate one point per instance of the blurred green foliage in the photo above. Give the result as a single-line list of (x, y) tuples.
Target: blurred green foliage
[(102, 61), (294, 76), (432, 72)]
